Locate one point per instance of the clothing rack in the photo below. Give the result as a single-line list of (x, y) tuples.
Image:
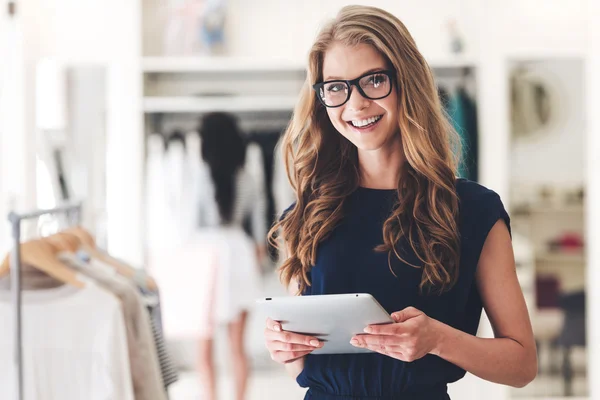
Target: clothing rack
[(73, 211)]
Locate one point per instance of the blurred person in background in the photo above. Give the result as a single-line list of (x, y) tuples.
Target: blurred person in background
[(379, 209), (227, 197)]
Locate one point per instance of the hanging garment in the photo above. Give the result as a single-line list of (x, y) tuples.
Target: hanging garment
[(176, 176), (456, 113), (168, 370), (152, 301), (266, 140), (255, 167), (155, 195), (471, 134), (197, 187), (147, 382), (74, 345), (282, 190), (463, 115)]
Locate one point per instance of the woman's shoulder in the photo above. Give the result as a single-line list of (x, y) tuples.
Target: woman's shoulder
[(472, 192), (479, 206)]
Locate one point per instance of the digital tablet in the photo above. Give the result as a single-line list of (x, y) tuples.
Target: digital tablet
[(334, 319)]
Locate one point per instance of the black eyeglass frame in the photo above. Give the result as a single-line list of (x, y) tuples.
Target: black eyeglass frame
[(355, 82)]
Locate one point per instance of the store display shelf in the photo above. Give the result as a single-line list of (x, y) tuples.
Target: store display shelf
[(561, 257), (201, 104)]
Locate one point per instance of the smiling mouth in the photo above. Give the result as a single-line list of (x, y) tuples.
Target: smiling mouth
[(365, 123)]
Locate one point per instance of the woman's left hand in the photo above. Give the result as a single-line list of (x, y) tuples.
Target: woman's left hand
[(412, 336)]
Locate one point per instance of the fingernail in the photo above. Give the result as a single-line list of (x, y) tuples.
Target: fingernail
[(277, 328), (354, 342), (395, 317), (315, 343), (368, 329)]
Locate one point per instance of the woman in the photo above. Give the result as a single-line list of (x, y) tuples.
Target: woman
[(227, 197), (379, 210)]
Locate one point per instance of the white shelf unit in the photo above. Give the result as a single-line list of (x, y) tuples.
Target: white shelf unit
[(202, 68), (165, 92), (175, 85), (574, 209), (561, 257), (203, 104)]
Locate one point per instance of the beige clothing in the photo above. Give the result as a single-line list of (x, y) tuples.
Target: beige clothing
[(147, 381)]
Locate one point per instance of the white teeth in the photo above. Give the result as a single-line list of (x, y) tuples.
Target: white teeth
[(364, 122)]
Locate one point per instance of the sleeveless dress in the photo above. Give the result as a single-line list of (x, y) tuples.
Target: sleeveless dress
[(347, 263)]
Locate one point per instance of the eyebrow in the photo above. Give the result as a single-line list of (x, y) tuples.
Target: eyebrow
[(337, 78)]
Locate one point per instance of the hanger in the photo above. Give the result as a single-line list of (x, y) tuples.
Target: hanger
[(64, 241), (83, 235), (88, 244), (42, 256)]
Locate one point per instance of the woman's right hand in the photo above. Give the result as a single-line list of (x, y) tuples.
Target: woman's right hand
[(286, 347)]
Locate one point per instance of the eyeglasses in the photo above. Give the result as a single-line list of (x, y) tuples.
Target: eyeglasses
[(373, 86)]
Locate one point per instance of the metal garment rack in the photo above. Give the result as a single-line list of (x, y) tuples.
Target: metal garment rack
[(73, 211)]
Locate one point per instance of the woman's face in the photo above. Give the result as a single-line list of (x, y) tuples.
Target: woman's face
[(368, 124)]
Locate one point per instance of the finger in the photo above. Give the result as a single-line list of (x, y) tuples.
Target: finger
[(375, 340), (289, 337), (405, 314), (273, 325), (392, 351), (300, 355), (401, 353), (288, 356), (402, 356), (281, 346), (379, 348), (387, 329), (394, 354)]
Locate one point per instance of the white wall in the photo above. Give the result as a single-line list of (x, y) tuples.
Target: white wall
[(290, 27), (533, 25), (267, 28)]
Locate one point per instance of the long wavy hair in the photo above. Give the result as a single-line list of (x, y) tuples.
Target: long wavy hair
[(322, 165), (224, 150)]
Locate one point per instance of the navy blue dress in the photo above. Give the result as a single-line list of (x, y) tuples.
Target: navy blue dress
[(347, 263)]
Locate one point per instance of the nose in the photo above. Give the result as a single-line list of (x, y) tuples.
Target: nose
[(357, 102)]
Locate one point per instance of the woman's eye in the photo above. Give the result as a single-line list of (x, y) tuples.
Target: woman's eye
[(335, 88), (378, 80)]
